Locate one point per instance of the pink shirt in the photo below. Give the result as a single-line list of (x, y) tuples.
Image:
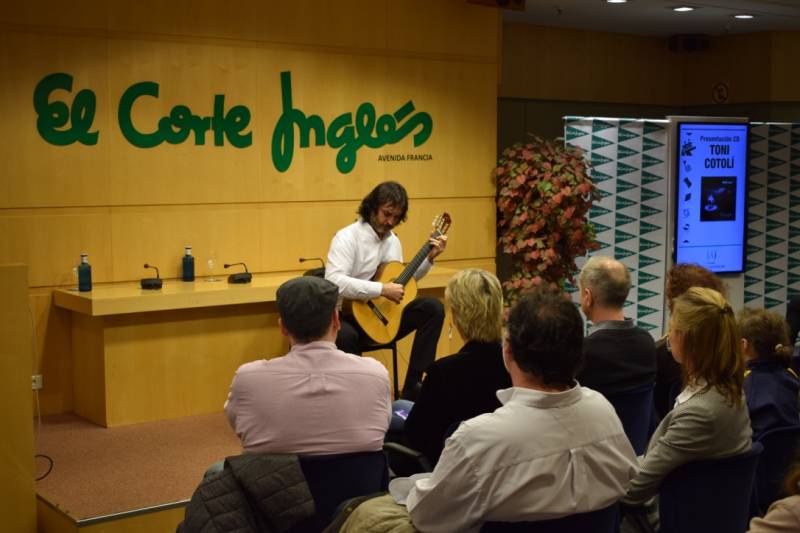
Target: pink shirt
[(315, 400)]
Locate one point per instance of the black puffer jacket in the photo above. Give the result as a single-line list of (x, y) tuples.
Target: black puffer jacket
[(253, 493)]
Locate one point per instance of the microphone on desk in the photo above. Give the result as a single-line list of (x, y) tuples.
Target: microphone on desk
[(239, 277), (319, 271), (152, 283)]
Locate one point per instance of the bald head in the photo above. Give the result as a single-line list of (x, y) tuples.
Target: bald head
[(608, 280)]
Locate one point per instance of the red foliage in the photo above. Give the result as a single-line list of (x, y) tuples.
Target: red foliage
[(544, 197)]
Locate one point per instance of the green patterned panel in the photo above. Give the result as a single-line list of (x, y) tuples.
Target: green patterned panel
[(599, 142), (650, 144), (646, 227), (622, 253), (621, 219), (649, 177), (600, 125), (623, 185), (623, 152), (649, 211)]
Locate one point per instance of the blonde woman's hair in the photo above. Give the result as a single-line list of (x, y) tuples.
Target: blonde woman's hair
[(476, 299), (710, 341), (767, 332)]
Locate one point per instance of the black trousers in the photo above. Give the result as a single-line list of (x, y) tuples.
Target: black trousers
[(423, 315)]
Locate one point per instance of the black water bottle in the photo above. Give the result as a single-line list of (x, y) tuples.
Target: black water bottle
[(84, 274), (188, 264)]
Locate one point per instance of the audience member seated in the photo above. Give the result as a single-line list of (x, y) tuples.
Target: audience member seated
[(793, 318), (618, 355), (709, 420), (553, 449), (316, 399), (770, 385), (783, 516), (668, 375), (464, 385)]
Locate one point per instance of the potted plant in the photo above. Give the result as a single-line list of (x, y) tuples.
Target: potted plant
[(543, 199)]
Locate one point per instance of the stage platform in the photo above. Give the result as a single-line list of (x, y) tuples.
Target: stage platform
[(134, 478)]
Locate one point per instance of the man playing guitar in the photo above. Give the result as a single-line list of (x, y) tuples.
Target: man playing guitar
[(357, 253)]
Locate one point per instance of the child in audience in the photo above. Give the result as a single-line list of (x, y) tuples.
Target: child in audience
[(709, 420), (783, 516), (771, 386)]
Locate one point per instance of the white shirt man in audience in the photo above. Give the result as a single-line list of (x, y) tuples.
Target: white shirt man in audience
[(619, 356), (316, 399), (553, 448)]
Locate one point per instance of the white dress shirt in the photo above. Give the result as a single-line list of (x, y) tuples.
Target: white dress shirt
[(354, 256), (539, 456)]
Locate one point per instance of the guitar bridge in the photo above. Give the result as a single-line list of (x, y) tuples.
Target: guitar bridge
[(374, 309)]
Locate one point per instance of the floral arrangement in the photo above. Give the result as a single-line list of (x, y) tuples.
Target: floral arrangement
[(544, 196)]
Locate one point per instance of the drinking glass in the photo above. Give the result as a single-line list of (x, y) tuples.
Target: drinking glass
[(212, 262)]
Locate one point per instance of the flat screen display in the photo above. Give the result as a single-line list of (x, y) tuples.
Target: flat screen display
[(711, 195)]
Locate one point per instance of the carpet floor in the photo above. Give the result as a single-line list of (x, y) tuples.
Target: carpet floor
[(99, 471)]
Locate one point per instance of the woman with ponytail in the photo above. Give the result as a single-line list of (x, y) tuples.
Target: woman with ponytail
[(770, 385), (709, 420)]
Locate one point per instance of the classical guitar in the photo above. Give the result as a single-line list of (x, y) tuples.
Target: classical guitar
[(380, 317)]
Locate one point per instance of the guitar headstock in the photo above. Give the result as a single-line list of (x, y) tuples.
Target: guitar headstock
[(441, 224)]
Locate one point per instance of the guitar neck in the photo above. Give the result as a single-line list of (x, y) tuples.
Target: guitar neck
[(414, 264)]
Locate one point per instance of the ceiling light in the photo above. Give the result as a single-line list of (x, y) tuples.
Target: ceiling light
[(616, 1), (744, 16), (682, 9)]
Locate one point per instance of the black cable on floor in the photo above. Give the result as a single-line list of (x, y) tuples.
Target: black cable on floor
[(49, 468)]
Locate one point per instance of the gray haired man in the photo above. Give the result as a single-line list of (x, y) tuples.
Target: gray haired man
[(618, 355)]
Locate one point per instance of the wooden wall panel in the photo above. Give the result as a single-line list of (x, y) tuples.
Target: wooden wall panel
[(742, 62), (418, 26), (85, 14), (267, 237), (36, 173), (190, 74), (193, 375), (157, 235), (472, 234), (126, 205), (51, 240), (53, 356), (425, 26), (460, 149), (114, 172), (292, 231), (88, 367), (561, 64), (16, 360), (345, 23), (784, 51)]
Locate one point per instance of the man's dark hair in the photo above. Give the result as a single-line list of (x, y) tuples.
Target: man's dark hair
[(545, 333), (306, 306), (388, 192)]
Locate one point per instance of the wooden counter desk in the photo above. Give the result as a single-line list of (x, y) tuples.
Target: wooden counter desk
[(141, 355)]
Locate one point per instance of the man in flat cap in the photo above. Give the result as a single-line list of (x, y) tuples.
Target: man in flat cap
[(316, 399)]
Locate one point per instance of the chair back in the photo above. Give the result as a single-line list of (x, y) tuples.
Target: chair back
[(601, 521), (712, 495), (334, 479), (635, 410), (780, 447)]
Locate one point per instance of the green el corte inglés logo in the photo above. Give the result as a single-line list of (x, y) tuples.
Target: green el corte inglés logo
[(61, 124)]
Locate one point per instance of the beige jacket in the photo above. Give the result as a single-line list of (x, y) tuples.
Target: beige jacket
[(783, 517), (700, 426)]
